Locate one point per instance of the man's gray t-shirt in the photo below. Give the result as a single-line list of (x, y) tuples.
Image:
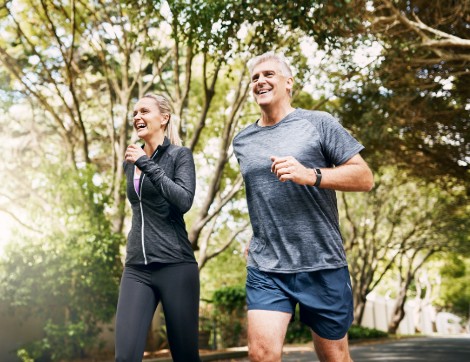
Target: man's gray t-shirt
[(295, 227)]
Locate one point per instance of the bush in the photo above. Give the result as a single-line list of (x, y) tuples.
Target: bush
[(230, 314), (230, 298), (298, 332), (358, 332)]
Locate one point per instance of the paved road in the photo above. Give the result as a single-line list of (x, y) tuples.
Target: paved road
[(428, 349)]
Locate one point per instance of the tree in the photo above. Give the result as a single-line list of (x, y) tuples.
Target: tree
[(395, 229), (411, 106)]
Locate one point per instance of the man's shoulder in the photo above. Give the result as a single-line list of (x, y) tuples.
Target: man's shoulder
[(314, 115), (245, 131)]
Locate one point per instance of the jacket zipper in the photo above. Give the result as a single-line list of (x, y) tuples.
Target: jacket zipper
[(139, 195), (142, 219)]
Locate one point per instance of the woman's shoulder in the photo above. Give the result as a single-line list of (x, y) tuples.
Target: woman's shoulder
[(178, 149), (179, 152)]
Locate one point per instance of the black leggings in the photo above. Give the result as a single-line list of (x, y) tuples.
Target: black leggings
[(142, 288)]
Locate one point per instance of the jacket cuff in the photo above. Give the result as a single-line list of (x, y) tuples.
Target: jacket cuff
[(141, 161), (150, 168)]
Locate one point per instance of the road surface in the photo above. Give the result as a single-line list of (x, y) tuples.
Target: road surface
[(426, 349)]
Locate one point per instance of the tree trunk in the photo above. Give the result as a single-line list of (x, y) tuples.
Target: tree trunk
[(399, 308)]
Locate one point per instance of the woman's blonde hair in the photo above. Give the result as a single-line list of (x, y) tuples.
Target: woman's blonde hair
[(164, 105)]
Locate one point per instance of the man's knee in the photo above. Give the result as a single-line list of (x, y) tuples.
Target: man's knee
[(260, 353)]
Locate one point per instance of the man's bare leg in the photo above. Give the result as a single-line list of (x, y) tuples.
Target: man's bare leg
[(266, 333), (331, 350)]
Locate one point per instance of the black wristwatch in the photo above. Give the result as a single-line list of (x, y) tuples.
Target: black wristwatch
[(318, 174)]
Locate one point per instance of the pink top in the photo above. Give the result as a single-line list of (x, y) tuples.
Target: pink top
[(136, 182)]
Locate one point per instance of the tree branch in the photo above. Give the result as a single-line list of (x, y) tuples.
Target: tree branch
[(224, 247), (7, 211)]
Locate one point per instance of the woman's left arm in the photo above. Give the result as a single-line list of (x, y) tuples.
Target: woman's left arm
[(180, 191)]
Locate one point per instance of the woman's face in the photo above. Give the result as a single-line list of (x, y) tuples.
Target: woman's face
[(148, 121)]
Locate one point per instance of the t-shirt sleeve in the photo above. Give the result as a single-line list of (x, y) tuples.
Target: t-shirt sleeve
[(337, 143)]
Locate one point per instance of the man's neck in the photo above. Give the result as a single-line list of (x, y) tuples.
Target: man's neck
[(272, 116)]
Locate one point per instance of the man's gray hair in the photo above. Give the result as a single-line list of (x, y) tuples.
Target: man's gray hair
[(277, 57)]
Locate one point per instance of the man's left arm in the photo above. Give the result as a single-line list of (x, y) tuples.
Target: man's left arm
[(353, 175)]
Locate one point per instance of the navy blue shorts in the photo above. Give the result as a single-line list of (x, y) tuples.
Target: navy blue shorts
[(324, 297)]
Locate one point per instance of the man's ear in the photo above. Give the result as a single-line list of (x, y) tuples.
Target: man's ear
[(290, 84)]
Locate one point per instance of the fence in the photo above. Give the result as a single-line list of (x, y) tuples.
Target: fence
[(418, 318)]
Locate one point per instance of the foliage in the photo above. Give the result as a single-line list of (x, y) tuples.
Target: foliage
[(216, 275), (358, 332), (223, 298), (410, 107), (455, 286), (230, 314), (69, 275), (230, 298), (61, 341), (298, 332)]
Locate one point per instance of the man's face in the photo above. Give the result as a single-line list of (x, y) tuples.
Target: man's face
[(269, 86)]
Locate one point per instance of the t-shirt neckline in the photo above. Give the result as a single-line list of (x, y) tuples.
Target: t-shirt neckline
[(286, 117)]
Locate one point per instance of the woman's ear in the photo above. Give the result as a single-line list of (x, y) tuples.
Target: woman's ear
[(165, 120)]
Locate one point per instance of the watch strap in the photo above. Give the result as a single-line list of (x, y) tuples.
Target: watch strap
[(318, 174)]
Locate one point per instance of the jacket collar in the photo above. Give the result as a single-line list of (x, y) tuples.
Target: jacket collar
[(166, 143), (161, 148)]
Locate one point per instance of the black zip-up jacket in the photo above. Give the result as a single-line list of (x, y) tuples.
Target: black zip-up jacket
[(167, 185)]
